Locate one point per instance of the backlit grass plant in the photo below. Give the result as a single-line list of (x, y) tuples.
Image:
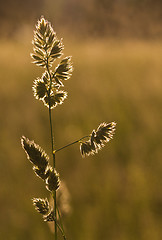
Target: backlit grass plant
[(49, 88)]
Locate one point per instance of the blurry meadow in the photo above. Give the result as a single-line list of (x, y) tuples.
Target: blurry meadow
[(114, 195)]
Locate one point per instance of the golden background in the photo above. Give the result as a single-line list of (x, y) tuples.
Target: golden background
[(116, 49)]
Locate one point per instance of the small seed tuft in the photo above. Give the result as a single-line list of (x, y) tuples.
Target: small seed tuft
[(41, 205), (98, 138), (53, 180), (50, 217), (36, 156)]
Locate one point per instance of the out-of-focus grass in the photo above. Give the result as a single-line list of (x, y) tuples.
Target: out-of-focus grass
[(115, 194)]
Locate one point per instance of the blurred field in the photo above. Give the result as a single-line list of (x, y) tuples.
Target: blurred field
[(115, 195)]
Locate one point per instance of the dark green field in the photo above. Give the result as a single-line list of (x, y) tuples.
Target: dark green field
[(115, 195)]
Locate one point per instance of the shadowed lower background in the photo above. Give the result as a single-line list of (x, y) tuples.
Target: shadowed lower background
[(116, 48)]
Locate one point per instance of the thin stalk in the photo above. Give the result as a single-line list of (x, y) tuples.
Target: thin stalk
[(57, 150), (52, 138), (61, 230), (59, 215), (52, 144), (54, 164)]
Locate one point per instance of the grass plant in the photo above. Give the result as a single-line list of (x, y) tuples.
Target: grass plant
[(49, 88)]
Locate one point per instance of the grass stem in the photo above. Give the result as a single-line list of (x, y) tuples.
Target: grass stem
[(54, 163), (53, 154), (59, 149)]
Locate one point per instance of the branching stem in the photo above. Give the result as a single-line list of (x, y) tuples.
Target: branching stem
[(68, 145), (63, 232)]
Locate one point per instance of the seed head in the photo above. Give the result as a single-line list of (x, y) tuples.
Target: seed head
[(50, 217), (37, 157), (39, 89), (53, 180), (64, 70), (55, 98), (42, 173), (46, 46), (35, 153), (41, 205), (98, 138)]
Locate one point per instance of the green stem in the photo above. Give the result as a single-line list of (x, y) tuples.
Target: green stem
[(61, 230), (57, 150), (52, 138), (52, 143), (54, 164), (59, 215)]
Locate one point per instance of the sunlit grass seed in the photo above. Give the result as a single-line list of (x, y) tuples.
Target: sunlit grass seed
[(97, 139), (47, 47), (41, 172), (39, 89), (53, 181), (35, 153), (56, 50), (86, 149), (64, 69), (50, 217), (41, 205), (55, 98)]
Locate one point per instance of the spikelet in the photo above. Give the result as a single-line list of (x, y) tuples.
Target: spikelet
[(55, 98), (53, 180), (98, 138), (64, 70), (41, 205), (46, 46), (49, 217), (35, 153), (104, 134), (40, 172), (86, 149), (39, 89)]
